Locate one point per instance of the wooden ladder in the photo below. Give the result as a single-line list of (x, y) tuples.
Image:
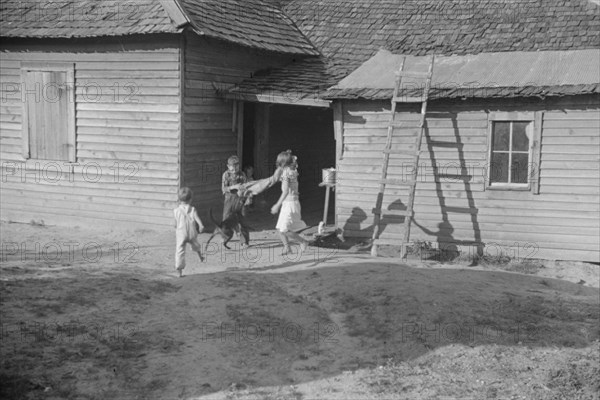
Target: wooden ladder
[(411, 183)]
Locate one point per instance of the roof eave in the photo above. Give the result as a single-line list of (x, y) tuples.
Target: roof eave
[(465, 93), (89, 36), (278, 99)]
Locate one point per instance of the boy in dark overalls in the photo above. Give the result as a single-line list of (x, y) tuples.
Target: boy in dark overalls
[(232, 178)]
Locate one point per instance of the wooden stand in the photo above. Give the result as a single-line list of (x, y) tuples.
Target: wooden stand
[(328, 188)]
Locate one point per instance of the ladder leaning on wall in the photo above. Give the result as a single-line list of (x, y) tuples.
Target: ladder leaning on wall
[(411, 183)]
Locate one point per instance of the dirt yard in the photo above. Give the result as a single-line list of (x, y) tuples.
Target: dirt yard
[(99, 314)]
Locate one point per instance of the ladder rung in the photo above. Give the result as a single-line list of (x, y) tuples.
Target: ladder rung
[(389, 242), (409, 99), (398, 182), (461, 210), (412, 152), (409, 124), (402, 213), (402, 125), (441, 114), (407, 74)]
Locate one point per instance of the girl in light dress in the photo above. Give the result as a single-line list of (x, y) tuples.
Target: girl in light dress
[(290, 218)]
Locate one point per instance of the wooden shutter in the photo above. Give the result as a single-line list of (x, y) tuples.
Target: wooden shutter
[(49, 112)]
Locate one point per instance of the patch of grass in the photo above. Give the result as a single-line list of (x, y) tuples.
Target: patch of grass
[(155, 386), (247, 315), (19, 387), (525, 267), (576, 380), (420, 248), (349, 302), (387, 379), (46, 309)]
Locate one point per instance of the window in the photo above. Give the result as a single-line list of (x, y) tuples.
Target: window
[(510, 152), (48, 111), (514, 151)]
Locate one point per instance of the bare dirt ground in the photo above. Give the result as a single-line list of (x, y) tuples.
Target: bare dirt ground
[(100, 314)]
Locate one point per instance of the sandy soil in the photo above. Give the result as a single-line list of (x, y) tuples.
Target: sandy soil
[(99, 314)]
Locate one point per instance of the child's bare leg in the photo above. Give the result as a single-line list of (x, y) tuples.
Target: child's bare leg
[(285, 241), (197, 247), (297, 238), (180, 256)]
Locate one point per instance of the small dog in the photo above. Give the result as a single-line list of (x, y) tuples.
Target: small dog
[(234, 222)]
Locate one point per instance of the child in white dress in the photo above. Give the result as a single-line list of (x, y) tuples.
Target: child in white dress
[(187, 227), (290, 218)]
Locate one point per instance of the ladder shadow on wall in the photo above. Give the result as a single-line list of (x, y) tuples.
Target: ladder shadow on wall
[(445, 235)]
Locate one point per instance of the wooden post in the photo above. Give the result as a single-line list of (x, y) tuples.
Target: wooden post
[(182, 111), (239, 128), (326, 210), (338, 130), (328, 188)]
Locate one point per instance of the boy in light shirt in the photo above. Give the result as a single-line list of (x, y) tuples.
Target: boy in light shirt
[(187, 227)]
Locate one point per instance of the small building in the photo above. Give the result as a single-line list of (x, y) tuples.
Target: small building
[(512, 66), (509, 157)]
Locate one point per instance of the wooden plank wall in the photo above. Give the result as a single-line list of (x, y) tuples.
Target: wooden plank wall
[(562, 222), (208, 135), (127, 124)]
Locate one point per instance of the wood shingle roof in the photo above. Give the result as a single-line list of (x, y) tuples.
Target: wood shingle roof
[(334, 36), (349, 32), (252, 23), (354, 30), (303, 79), (82, 18)]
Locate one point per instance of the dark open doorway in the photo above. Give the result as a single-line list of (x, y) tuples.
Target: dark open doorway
[(308, 131)]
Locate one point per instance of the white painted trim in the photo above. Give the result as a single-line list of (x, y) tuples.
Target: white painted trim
[(511, 117), (536, 151), (176, 13)]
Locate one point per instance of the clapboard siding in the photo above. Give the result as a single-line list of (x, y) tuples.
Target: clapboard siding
[(562, 220), (209, 136), (127, 110)]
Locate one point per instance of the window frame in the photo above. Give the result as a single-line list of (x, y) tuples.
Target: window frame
[(534, 119), (69, 69)]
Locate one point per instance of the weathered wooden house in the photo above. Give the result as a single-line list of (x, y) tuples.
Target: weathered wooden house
[(509, 73), (509, 162), (164, 93), (107, 108)]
